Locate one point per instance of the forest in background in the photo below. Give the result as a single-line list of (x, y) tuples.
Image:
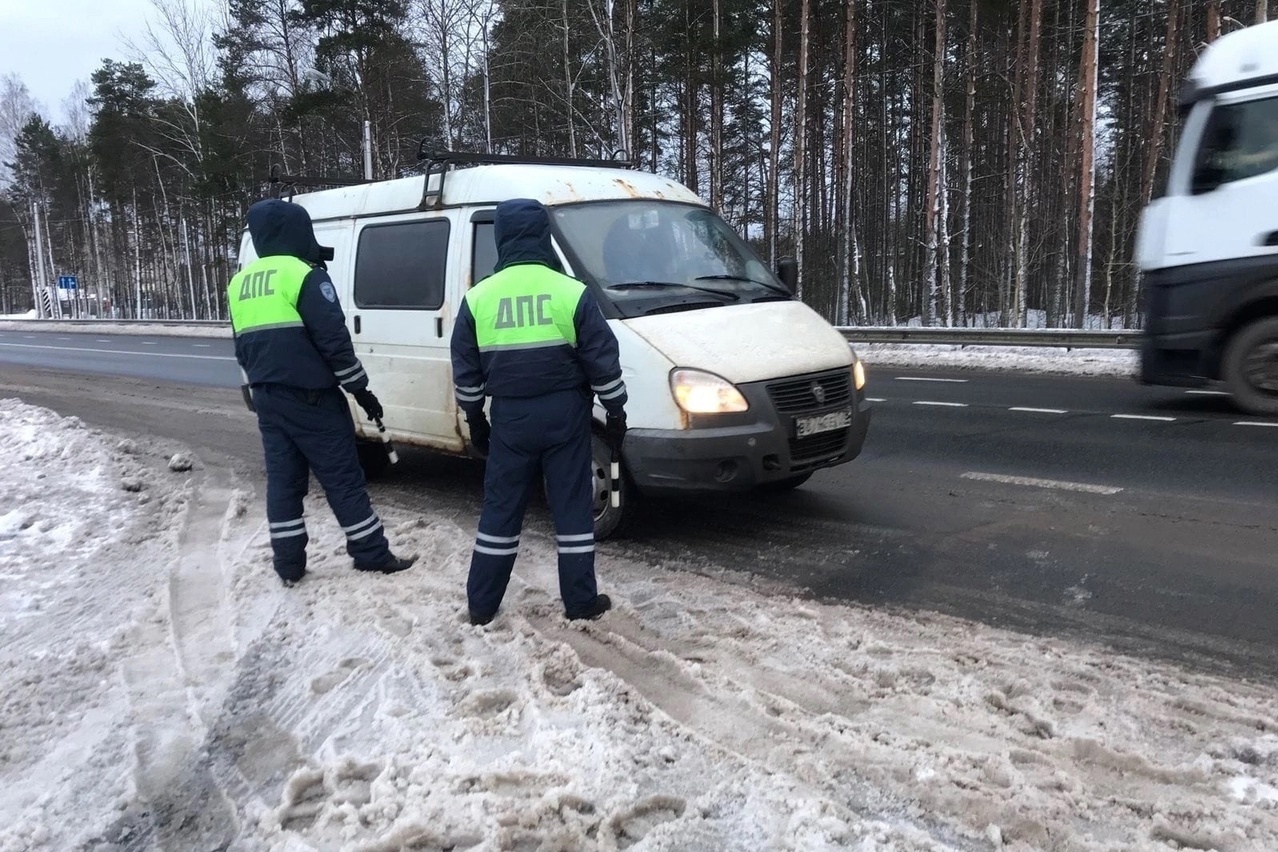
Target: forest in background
[(952, 162)]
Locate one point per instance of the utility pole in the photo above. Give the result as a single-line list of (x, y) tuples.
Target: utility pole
[(368, 150)]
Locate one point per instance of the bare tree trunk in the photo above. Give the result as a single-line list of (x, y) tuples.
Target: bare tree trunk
[(1262, 11), (969, 137), (849, 246), (800, 142), (773, 211), (1087, 165), (569, 85), (716, 110), (1158, 129), (1213, 20), (933, 208), (1027, 133), (943, 223)]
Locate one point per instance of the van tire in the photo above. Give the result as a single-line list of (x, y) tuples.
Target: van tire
[(1252, 383), (373, 459), (781, 486), (610, 522)]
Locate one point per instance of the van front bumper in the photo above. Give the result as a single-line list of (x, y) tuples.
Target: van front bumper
[(738, 457)]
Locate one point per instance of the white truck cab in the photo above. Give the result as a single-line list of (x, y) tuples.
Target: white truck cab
[(1208, 249), (733, 383)]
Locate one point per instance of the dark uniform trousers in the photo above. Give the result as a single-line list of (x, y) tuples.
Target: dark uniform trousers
[(535, 439), (305, 431)]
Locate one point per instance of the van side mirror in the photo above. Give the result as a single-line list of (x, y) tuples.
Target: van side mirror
[(788, 272)]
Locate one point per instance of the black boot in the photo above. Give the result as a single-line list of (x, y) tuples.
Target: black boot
[(293, 579), (602, 604), (480, 620), (393, 565)]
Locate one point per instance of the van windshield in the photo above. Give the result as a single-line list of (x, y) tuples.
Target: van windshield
[(658, 256)]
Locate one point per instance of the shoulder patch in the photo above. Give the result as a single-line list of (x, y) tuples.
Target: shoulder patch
[(329, 293)]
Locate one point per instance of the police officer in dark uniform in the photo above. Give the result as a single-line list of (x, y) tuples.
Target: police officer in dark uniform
[(292, 343), (535, 341)]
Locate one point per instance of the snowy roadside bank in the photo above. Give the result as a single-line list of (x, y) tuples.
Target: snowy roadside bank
[(159, 329), (1119, 363), (195, 704)]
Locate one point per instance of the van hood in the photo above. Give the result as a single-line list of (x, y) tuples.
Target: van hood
[(747, 343)]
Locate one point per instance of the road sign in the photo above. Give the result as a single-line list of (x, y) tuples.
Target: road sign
[(68, 282)]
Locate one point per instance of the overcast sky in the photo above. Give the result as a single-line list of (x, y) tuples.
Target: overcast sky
[(52, 44)]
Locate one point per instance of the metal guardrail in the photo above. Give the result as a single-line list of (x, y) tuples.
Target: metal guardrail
[(1061, 338), (1067, 338)]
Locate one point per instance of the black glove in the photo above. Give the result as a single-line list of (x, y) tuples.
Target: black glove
[(481, 433), (369, 403), (615, 431)]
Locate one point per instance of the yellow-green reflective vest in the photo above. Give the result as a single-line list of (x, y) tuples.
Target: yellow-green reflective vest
[(526, 306), (264, 294)]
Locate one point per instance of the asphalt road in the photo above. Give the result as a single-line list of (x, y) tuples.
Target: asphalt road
[(1142, 517)]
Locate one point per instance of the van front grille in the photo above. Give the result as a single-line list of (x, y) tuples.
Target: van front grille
[(812, 393)]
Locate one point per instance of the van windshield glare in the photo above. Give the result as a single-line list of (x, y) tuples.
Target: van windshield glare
[(655, 256)]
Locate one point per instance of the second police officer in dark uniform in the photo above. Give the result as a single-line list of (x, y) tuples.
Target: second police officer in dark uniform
[(536, 342), (292, 343)]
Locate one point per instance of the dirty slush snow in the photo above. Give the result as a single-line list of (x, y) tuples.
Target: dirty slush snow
[(160, 691)]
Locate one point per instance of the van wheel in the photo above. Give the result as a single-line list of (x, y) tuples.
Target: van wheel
[(781, 486), (373, 459), (610, 520), (1251, 367)]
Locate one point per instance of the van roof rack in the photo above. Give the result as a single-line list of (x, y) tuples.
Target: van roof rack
[(442, 160), (282, 183)]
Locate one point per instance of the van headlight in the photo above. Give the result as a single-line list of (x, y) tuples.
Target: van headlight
[(698, 392), (858, 374)]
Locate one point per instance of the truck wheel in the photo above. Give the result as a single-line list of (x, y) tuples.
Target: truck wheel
[(1251, 367), (373, 458), (609, 520), (781, 486)]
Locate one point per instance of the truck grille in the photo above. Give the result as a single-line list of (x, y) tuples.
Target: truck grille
[(799, 396), (794, 396)]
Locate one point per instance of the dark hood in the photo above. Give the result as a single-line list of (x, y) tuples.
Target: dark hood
[(281, 227), (522, 230)]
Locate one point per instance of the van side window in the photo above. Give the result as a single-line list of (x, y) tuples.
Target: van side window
[(402, 265), (1239, 142), (483, 255)]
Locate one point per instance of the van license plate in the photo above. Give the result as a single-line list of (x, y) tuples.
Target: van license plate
[(807, 426)]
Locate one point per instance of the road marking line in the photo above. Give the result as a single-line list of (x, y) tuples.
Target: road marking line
[(201, 345), (149, 343), (1207, 393), (1039, 410), (29, 336), (941, 404), (64, 338), (102, 340), (1143, 417), (120, 352), (1108, 490), (929, 379), (1255, 423), (875, 399)]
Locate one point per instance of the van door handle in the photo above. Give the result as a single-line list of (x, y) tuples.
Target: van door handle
[(357, 323), (439, 326), (1270, 239)]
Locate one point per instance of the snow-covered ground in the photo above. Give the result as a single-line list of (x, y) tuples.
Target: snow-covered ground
[(1124, 363), (159, 690)]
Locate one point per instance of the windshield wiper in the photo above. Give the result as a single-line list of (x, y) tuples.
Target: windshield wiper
[(774, 288), (631, 285)]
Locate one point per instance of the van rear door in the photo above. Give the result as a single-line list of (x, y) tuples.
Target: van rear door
[(403, 288)]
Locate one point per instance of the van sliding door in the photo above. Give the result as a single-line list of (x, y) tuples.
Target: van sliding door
[(401, 321)]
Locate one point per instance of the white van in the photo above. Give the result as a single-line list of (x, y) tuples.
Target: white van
[(1208, 249), (733, 383)]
